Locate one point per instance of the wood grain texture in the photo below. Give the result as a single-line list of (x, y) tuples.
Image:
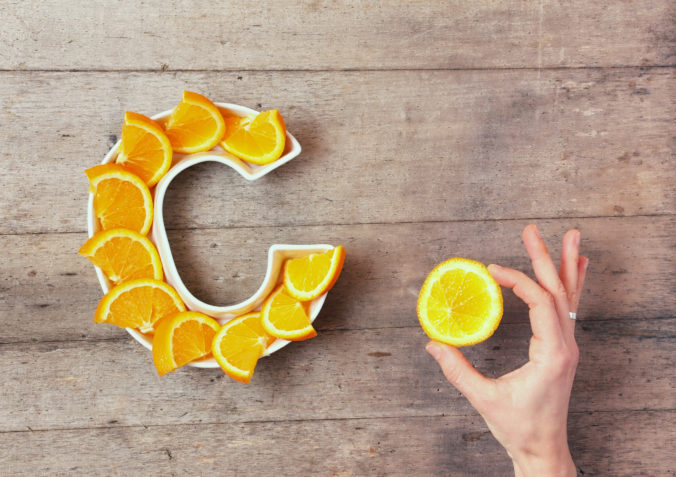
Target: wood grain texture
[(48, 292), (329, 34), (454, 145), (429, 129), (420, 446), (625, 365)]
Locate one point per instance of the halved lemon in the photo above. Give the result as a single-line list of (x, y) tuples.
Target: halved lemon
[(460, 303)]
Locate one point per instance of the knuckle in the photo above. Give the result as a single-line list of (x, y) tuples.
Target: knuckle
[(565, 361), (560, 290), (548, 299), (572, 297)]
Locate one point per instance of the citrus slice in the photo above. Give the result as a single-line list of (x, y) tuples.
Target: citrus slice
[(121, 198), (285, 317), (123, 255), (460, 303), (138, 304), (306, 278), (257, 138), (145, 149), (238, 345), (182, 338), (195, 125)]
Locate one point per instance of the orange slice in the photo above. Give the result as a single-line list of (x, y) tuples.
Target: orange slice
[(238, 345), (123, 255), (285, 317), (145, 149), (308, 277), (460, 303), (121, 198), (138, 304), (257, 138), (195, 125), (182, 338)]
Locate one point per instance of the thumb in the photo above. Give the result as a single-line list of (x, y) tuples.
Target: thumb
[(460, 373)]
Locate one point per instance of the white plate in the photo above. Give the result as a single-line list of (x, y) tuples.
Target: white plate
[(277, 254)]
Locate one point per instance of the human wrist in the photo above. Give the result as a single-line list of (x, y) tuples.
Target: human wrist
[(557, 463)]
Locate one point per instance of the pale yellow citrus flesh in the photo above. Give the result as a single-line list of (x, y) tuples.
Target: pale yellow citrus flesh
[(195, 125), (145, 149), (123, 255), (238, 345), (257, 138), (460, 303), (138, 304), (182, 338), (309, 277), (286, 317), (121, 198)]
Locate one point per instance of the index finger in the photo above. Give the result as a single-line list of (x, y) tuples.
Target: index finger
[(544, 319)]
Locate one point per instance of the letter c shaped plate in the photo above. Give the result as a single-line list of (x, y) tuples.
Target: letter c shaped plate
[(277, 253)]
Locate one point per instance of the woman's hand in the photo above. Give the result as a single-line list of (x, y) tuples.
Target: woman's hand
[(527, 409)]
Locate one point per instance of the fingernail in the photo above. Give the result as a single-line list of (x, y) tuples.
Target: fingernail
[(495, 267), (433, 350), (577, 239), (537, 231)]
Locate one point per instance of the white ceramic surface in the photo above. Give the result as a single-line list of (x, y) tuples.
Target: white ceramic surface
[(277, 253)]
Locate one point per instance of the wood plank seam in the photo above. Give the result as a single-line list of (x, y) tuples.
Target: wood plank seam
[(356, 224), (346, 330), (328, 419), (338, 70)]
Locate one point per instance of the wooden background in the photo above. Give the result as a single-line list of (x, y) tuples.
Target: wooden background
[(429, 129)]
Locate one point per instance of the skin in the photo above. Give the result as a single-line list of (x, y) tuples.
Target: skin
[(527, 409)]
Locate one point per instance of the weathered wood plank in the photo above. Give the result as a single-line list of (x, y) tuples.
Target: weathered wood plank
[(420, 446), (157, 34), (47, 292), (625, 365), (379, 147)]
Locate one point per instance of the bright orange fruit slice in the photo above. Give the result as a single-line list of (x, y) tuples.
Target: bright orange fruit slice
[(195, 125), (285, 317), (182, 338), (238, 345), (306, 278), (138, 304), (145, 149), (257, 138), (121, 198), (460, 303), (123, 255)]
